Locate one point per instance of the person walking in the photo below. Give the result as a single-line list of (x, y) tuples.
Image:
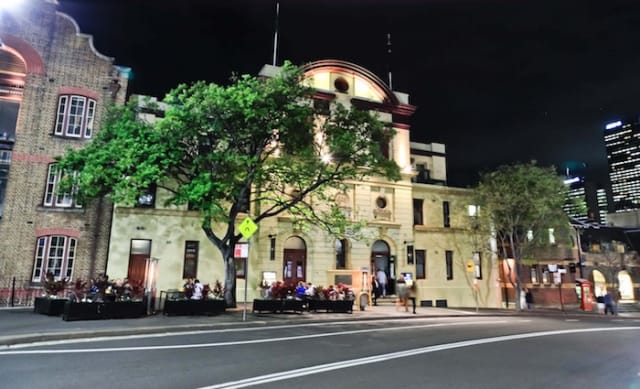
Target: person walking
[(528, 297), (382, 280), (403, 293), (412, 295), (375, 289), (608, 303)]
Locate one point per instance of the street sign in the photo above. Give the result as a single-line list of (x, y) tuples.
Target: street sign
[(470, 266), (247, 228)]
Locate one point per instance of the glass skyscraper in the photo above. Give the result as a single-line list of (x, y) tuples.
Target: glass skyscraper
[(622, 141)]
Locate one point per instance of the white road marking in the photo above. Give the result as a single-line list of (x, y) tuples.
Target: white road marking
[(217, 331), (240, 342), (285, 375)]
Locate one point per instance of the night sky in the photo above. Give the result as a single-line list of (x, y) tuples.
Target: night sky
[(497, 81)]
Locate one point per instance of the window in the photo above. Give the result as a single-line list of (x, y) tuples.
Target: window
[(341, 253), (51, 196), (534, 274), (445, 214), (477, 265), (55, 254), (75, 116), (410, 255), (546, 278), (417, 212), (449, 263), (190, 268), (421, 264)]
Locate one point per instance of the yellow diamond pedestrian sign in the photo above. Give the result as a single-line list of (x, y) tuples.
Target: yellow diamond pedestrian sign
[(248, 228), (470, 266)]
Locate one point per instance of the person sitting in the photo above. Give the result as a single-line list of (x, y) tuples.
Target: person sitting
[(197, 290), (301, 290), (310, 293)]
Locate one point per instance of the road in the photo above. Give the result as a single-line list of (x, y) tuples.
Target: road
[(462, 352)]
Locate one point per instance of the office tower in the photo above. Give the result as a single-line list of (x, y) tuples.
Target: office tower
[(622, 141)]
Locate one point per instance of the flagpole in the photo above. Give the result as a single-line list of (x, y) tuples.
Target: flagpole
[(275, 36), (389, 60)]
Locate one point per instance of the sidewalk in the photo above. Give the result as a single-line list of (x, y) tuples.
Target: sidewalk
[(22, 325)]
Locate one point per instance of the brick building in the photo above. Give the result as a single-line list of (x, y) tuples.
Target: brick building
[(54, 89)]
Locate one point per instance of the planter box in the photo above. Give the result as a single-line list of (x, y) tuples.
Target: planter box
[(286, 305), (49, 306), (194, 307), (336, 306), (107, 310)]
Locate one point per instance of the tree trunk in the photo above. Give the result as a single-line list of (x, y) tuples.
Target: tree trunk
[(230, 280)]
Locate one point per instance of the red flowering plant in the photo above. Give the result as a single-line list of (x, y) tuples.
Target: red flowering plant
[(282, 290), (128, 290), (53, 286), (338, 292), (80, 289)]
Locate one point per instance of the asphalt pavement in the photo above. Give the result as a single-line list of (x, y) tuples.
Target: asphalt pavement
[(23, 325)]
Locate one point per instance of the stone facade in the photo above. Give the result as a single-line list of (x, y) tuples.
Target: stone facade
[(393, 236), (43, 58)]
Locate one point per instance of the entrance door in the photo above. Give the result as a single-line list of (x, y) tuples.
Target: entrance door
[(381, 260), (295, 261), (138, 255)]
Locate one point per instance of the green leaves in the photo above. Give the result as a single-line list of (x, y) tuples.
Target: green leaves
[(522, 202), (257, 145)]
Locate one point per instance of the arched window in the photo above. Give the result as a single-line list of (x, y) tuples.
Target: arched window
[(55, 254), (341, 253)]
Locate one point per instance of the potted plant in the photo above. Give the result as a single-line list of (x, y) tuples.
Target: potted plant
[(211, 303), (50, 304), (281, 298), (105, 299)]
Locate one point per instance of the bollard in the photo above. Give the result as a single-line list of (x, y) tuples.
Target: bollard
[(363, 299), (13, 291)]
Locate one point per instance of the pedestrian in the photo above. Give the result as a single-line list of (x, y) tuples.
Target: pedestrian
[(403, 293), (608, 303), (528, 297), (375, 289), (412, 295), (382, 280), (616, 300)]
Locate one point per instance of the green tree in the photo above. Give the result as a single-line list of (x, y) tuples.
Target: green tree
[(257, 146), (521, 203)]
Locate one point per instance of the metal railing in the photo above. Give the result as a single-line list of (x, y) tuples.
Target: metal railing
[(17, 292)]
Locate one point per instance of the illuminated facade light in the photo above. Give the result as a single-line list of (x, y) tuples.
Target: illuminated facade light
[(613, 125)]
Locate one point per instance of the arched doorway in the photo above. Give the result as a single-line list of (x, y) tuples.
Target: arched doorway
[(625, 285), (295, 260), (381, 260), (599, 283), (13, 73)]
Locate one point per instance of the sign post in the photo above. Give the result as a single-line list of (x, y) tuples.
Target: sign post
[(247, 228)]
